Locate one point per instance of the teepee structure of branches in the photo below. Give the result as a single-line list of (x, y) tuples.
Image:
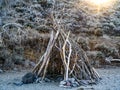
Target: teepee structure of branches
[(65, 55)]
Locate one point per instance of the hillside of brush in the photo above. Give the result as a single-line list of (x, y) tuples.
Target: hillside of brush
[(25, 27)]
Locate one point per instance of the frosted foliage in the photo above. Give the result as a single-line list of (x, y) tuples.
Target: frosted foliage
[(14, 33)]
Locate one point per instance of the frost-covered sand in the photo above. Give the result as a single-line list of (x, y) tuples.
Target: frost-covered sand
[(110, 81)]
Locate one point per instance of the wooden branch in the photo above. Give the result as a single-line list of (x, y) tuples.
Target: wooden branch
[(74, 64), (45, 70), (47, 53), (67, 60)]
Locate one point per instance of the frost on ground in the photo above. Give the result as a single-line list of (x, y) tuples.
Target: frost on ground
[(110, 81)]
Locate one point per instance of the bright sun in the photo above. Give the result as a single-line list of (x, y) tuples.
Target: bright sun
[(96, 6), (100, 2)]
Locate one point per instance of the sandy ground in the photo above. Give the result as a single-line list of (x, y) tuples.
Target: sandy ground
[(110, 81)]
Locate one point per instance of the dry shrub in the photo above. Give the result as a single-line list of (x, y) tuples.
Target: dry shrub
[(96, 58), (107, 51)]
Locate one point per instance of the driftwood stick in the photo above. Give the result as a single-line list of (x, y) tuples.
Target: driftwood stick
[(64, 59), (74, 64), (49, 49), (96, 73), (45, 70), (68, 58), (37, 65), (47, 53)]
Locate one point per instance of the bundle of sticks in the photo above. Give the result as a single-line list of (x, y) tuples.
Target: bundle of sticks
[(71, 62), (63, 56)]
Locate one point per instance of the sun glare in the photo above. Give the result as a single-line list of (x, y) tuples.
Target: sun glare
[(101, 2), (96, 6)]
